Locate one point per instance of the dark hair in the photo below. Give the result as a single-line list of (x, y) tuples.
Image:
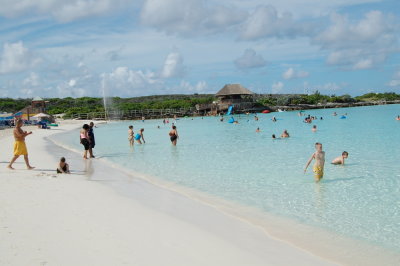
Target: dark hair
[(273, 136), (317, 143), (130, 127), (173, 127), (345, 153), (62, 159), (85, 126)]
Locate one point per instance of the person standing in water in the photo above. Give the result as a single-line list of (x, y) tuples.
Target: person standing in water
[(319, 157), (130, 136), (84, 139), (140, 136), (173, 135), (91, 139), (19, 145)]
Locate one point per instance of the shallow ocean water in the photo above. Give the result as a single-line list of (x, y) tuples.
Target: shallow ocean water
[(360, 200)]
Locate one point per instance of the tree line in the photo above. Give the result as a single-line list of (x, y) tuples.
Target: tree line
[(71, 106)]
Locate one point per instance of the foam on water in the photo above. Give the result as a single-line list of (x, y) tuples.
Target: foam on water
[(360, 200)]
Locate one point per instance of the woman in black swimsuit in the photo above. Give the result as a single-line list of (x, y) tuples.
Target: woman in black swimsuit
[(173, 135)]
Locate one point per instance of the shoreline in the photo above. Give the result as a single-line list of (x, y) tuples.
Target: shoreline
[(326, 244), (47, 217)]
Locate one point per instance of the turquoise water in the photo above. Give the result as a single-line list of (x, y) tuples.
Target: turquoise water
[(360, 200)]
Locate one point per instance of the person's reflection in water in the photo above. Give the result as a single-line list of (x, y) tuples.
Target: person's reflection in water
[(89, 170), (320, 206)]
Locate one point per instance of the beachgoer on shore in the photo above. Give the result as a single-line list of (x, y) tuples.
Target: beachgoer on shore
[(173, 135), (140, 136), (63, 167), (319, 157), (20, 145), (285, 134), (84, 139), (130, 136), (340, 159), (91, 139)]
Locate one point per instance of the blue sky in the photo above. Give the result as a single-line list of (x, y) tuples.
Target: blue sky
[(61, 48)]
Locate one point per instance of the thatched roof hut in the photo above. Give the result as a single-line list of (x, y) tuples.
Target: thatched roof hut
[(233, 89)]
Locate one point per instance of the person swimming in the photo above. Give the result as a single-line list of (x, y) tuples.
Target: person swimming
[(340, 159), (285, 134), (258, 130), (314, 128)]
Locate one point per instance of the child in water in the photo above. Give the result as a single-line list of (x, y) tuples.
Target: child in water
[(318, 168), (340, 159), (63, 167)]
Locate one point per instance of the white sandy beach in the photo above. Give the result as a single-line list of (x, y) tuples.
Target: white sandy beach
[(50, 219)]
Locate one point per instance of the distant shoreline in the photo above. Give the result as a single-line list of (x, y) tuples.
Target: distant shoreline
[(299, 107)]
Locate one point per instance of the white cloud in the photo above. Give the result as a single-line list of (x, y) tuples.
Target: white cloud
[(266, 22), (189, 17), (72, 83), (32, 80), (16, 58), (362, 44), (395, 82), (292, 74), (126, 82), (173, 66), (187, 87), (250, 59), (277, 87), (61, 10)]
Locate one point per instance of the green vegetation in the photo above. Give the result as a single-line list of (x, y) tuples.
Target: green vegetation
[(71, 106), (318, 98)]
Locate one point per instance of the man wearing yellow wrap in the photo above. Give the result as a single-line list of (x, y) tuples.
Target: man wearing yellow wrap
[(19, 145), (318, 168)]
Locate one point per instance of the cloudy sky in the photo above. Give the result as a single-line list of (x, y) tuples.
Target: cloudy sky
[(61, 48)]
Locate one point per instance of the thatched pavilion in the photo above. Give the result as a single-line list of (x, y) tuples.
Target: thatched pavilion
[(234, 93)]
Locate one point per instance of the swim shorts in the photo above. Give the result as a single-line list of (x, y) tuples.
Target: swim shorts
[(20, 148)]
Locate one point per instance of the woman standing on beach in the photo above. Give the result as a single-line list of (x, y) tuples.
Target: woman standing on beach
[(84, 139), (140, 136), (19, 145), (173, 135)]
